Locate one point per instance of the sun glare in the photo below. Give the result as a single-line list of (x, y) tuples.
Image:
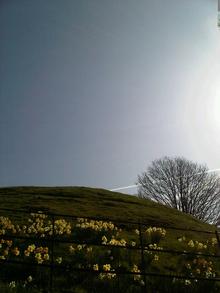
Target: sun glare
[(216, 106), (212, 92), (203, 108)]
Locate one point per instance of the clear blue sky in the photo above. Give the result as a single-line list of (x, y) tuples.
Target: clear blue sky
[(92, 91)]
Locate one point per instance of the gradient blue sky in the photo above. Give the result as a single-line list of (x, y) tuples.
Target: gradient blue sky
[(92, 91)]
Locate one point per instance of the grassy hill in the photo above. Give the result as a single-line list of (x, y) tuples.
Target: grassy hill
[(93, 202), (104, 204)]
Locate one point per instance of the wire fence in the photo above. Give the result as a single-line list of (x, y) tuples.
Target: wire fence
[(56, 241)]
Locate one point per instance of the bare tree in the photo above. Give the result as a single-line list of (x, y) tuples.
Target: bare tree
[(183, 185)]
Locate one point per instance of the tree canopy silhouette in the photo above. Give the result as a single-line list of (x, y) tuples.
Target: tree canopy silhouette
[(184, 185)]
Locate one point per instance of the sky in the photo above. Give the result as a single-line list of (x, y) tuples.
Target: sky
[(92, 91)]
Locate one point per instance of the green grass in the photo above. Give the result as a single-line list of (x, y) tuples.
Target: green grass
[(93, 202)]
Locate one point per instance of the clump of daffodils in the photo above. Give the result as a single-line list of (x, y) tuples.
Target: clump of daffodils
[(6, 247), (154, 246), (62, 227), (197, 245), (213, 241), (137, 231), (187, 282), (59, 260), (136, 270), (95, 225), (182, 239), (40, 254), (40, 224), (31, 248), (95, 267), (194, 244), (80, 248), (6, 226), (155, 230), (113, 241), (191, 244), (15, 251), (154, 234), (108, 274), (200, 267), (12, 285), (29, 279)]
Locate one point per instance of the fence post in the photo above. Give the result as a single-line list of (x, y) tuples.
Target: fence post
[(144, 288), (52, 256)]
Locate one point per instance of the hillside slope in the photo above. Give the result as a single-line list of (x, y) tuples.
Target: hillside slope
[(93, 202), (81, 243)]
